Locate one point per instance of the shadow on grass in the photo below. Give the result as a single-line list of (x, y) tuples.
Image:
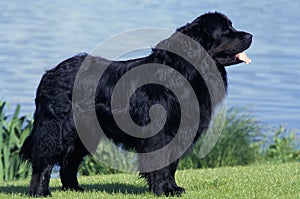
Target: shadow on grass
[(115, 188), (13, 189), (108, 188)]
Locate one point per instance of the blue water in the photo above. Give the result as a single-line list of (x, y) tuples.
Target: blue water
[(37, 35)]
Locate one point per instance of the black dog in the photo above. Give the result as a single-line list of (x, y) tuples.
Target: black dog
[(54, 138)]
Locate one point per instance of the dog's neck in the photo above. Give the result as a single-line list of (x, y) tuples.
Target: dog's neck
[(175, 61)]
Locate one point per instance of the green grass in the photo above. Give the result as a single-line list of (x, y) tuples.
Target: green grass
[(263, 181)]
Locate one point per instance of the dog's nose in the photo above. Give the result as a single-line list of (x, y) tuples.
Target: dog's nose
[(248, 36)]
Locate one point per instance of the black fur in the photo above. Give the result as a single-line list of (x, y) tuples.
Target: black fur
[(54, 139)]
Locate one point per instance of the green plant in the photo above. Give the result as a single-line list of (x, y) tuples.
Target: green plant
[(282, 147), (238, 143), (111, 156), (13, 131), (91, 166)]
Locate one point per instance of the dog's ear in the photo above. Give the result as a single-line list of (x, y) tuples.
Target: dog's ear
[(197, 31), (206, 39)]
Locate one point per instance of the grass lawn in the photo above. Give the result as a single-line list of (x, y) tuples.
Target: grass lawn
[(263, 181)]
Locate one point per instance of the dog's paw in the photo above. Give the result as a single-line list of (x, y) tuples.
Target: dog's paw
[(168, 190), (174, 191), (178, 191), (40, 193)]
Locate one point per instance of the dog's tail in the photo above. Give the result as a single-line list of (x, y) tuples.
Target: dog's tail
[(26, 149)]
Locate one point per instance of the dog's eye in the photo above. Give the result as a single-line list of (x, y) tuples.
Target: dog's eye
[(225, 32)]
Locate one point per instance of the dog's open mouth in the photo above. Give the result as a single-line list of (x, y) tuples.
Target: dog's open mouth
[(243, 57)]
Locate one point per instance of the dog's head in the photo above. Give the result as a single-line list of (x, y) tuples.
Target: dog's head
[(214, 31)]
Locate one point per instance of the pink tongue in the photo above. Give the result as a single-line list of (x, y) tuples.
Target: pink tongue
[(243, 57)]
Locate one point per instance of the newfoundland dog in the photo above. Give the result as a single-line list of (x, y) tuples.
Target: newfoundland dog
[(55, 139)]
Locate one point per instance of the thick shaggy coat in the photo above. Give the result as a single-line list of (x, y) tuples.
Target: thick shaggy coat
[(54, 139)]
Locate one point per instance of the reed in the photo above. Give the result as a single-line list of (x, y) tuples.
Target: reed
[(13, 131)]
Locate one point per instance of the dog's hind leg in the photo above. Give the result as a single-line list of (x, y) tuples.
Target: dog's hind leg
[(39, 185), (44, 152)]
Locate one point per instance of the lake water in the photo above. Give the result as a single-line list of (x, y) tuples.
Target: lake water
[(37, 35)]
